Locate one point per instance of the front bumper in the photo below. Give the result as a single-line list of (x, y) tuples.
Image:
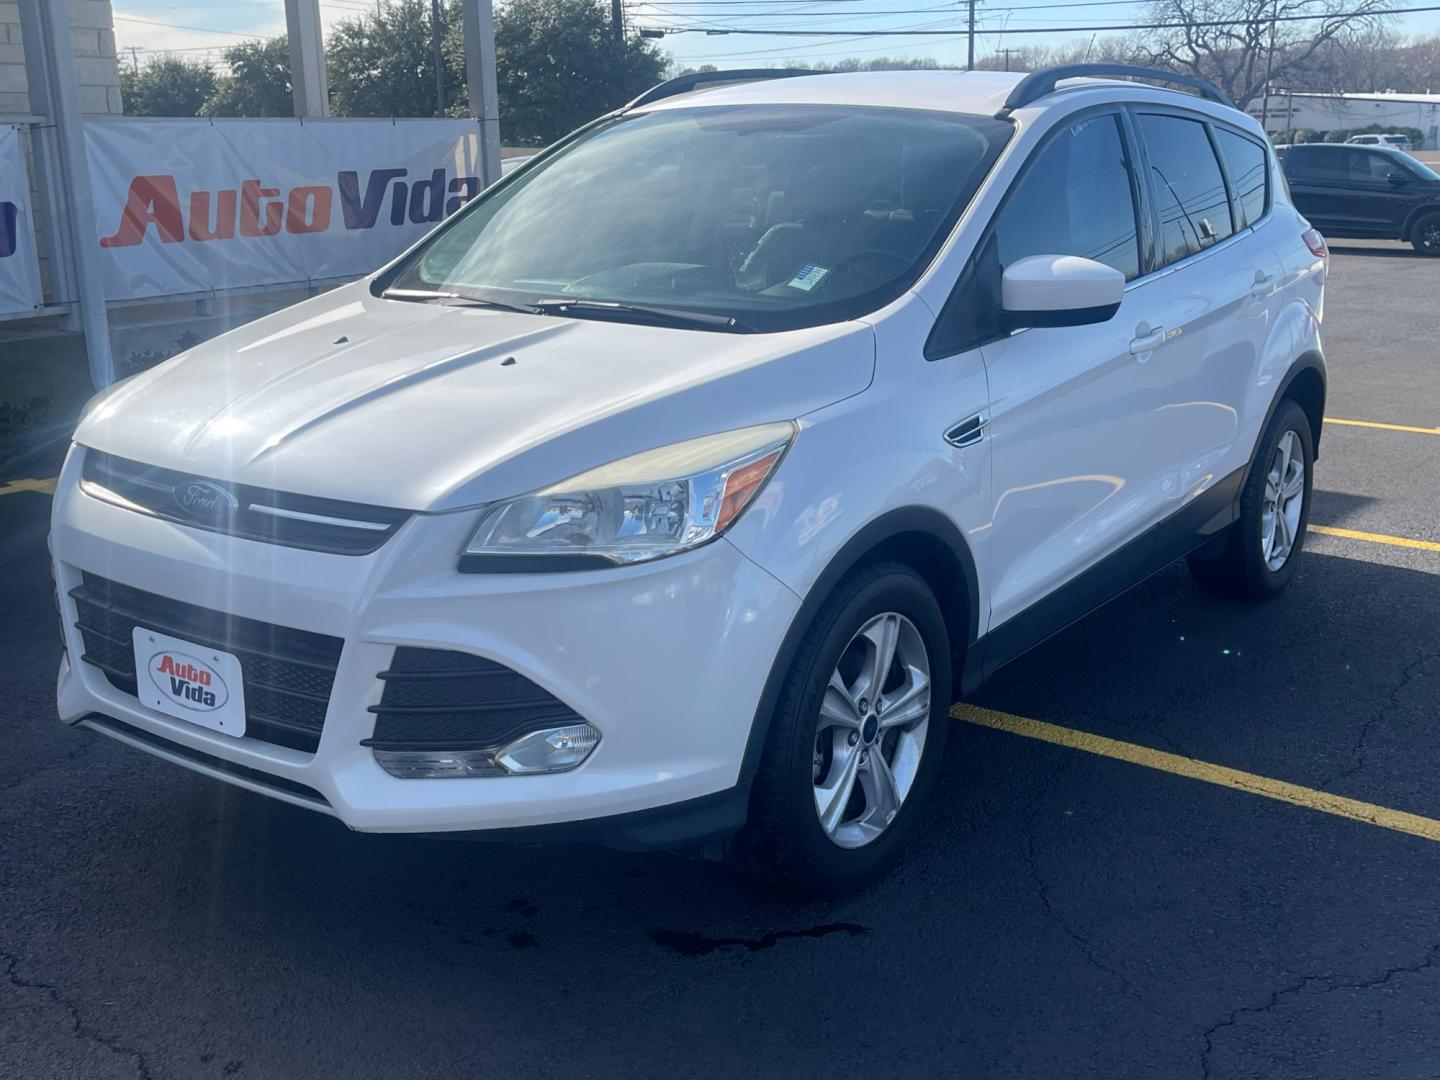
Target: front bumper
[(667, 659)]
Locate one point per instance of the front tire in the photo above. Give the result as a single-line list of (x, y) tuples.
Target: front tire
[(1425, 236), (1262, 551), (856, 741)]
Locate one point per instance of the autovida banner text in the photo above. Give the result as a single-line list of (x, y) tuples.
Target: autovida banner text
[(185, 206), (19, 271)]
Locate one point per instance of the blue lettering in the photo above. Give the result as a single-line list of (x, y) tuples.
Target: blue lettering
[(361, 213), (430, 191), (9, 229), (470, 185)]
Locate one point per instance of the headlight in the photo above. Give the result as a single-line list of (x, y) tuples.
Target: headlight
[(643, 507)]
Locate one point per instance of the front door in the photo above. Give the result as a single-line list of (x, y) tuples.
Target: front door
[(1076, 471)]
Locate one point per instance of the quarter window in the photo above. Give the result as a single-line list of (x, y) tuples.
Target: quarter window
[(1075, 199), (1246, 163), (1189, 188)]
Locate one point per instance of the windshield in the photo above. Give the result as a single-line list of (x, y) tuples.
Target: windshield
[(774, 216)]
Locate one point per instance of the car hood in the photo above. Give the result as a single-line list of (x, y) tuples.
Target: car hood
[(431, 407)]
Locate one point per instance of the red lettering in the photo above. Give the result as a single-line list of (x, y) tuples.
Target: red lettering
[(167, 666), (152, 199), (308, 210), (250, 195), (224, 228)]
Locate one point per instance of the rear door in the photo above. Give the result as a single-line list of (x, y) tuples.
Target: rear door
[(1319, 183), (1213, 296)]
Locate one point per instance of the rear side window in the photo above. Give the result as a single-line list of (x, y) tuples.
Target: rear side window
[(1246, 164), (1189, 189), (1075, 199)]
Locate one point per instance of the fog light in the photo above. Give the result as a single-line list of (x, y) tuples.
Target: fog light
[(551, 750), (438, 764)]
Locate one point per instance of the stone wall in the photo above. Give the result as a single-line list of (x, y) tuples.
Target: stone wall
[(92, 35)]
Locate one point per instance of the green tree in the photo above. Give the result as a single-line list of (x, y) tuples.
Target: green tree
[(383, 63), (166, 86), (258, 83), (558, 66)]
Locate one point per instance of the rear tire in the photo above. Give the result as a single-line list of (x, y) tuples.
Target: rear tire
[(1262, 550), (846, 771), (1425, 235)]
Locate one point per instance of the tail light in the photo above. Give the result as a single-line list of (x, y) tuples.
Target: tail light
[(1316, 243)]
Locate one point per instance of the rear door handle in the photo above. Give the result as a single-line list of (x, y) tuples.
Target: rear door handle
[(1264, 285), (1146, 342)]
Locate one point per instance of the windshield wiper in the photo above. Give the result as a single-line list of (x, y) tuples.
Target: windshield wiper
[(466, 299), (663, 316)]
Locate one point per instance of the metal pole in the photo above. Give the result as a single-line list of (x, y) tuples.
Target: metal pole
[(970, 54), (480, 79), (308, 86), (617, 22), (69, 209), (437, 34), (1269, 67)]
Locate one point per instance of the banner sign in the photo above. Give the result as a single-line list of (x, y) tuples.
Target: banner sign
[(19, 269), (185, 206)]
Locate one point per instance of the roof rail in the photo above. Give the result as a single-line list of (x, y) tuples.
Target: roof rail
[(1039, 83), (683, 84)]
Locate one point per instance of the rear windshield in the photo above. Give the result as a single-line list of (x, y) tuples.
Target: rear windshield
[(778, 216)]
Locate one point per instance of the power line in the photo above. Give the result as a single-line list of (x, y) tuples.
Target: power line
[(1209, 23), (181, 26)]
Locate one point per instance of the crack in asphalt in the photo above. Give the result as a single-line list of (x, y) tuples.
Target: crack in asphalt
[(1392, 705), (1432, 957), (1081, 943), (77, 1026)]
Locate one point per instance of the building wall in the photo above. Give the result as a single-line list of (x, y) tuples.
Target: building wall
[(92, 36), (1325, 113)]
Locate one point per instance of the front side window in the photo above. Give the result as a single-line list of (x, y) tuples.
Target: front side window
[(1189, 188), (775, 216), (1075, 199), (1247, 164)]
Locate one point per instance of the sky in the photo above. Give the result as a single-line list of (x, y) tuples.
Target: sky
[(202, 29)]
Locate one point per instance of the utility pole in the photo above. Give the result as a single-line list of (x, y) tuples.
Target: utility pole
[(617, 22), (970, 55), (437, 38), (135, 58), (1269, 67), (1007, 52)]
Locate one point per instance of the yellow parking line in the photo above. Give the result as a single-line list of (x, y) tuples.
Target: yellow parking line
[(1221, 775), (1375, 538), (14, 487), (1385, 427)]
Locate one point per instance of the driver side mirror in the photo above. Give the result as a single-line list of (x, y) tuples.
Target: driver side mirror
[(1059, 290)]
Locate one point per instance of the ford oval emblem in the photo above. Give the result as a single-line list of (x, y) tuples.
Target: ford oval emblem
[(205, 501)]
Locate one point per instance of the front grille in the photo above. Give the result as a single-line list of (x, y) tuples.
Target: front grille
[(287, 674), (439, 700), (273, 517)]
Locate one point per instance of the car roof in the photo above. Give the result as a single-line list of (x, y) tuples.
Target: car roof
[(970, 92)]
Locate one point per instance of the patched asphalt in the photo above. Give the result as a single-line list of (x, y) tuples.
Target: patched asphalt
[(1064, 915)]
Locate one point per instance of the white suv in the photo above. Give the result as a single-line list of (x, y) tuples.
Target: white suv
[(668, 494)]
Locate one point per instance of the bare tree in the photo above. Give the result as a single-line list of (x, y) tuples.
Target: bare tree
[(1239, 44)]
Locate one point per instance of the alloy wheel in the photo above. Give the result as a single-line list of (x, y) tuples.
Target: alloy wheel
[(1430, 237), (871, 730), (1284, 500)]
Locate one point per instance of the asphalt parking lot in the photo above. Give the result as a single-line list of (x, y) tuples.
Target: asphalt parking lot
[(1240, 883)]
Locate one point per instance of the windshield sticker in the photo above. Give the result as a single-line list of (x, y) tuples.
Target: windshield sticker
[(808, 277)]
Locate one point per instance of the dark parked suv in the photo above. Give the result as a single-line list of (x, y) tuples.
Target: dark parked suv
[(1365, 192)]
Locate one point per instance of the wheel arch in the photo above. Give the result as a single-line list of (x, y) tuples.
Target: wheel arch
[(1423, 210), (922, 538)]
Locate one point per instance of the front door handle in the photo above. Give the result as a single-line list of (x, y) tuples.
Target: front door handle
[(1151, 338)]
